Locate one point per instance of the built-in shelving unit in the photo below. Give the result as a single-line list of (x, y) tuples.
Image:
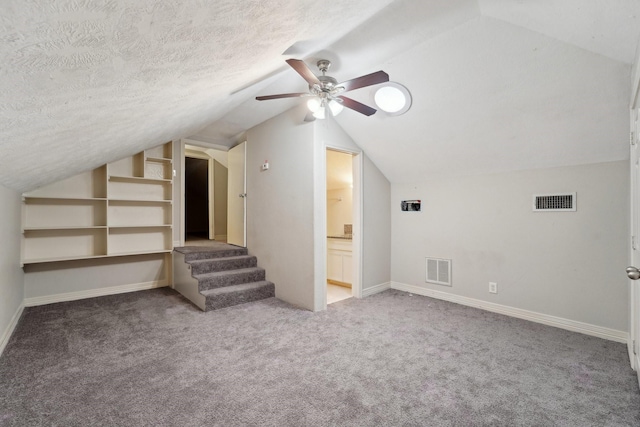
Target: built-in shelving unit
[(119, 209)]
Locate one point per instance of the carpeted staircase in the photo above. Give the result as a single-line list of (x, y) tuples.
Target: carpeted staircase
[(219, 276)]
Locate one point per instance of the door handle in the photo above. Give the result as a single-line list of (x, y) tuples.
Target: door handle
[(243, 195), (633, 273)]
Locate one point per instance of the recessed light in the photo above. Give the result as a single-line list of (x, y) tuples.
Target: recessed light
[(393, 98)]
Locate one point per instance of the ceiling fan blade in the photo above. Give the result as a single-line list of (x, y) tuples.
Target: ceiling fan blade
[(363, 81), (302, 69), (282, 95), (357, 106)]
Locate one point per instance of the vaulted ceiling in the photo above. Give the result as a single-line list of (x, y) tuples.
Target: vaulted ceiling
[(496, 84)]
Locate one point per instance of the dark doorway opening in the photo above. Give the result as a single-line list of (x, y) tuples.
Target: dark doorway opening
[(196, 198)]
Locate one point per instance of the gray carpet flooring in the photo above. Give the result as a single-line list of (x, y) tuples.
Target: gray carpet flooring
[(393, 359)]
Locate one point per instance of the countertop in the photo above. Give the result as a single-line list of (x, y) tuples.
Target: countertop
[(341, 236)]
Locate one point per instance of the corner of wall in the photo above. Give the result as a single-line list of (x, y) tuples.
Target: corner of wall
[(11, 274)]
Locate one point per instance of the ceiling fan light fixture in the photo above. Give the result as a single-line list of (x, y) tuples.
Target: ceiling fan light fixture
[(325, 89), (335, 107), (314, 104), (320, 114)]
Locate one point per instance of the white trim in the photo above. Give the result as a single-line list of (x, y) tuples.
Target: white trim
[(221, 237), (176, 243), (357, 192), (376, 289), (6, 335), (92, 293), (636, 358), (207, 144), (545, 319)]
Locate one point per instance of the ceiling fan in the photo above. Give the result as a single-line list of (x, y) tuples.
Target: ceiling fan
[(325, 90)]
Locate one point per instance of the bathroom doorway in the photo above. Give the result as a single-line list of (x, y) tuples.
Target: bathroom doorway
[(339, 225)]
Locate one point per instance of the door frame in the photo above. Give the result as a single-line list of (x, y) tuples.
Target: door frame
[(210, 190), (634, 243), (183, 153), (320, 223), (633, 343)]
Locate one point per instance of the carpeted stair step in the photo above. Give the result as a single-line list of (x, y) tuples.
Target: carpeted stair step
[(238, 294), (219, 279), (192, 253), (203, 266)]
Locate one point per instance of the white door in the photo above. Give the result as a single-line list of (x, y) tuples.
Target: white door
[(634, 258), (237, 196)]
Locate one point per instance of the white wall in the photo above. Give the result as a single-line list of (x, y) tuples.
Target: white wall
[(376, 226), (376, 199), (565, 264), (339, 210), (69, 280), (285, 204), (11, 276), (280, 204)]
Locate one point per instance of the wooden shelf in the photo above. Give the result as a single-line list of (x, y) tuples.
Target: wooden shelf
[(133, 226), (79, 227), (58, 259), (25, 197), (134, 201), (162, 251), (123, 208), (75, 258), (138, 179), (158, 160)]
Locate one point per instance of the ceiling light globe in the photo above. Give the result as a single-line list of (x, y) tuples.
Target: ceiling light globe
[(319, 114), (314, 104), (390, 99), (335, 107)]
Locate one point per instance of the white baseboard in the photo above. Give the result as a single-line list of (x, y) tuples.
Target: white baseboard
[(545, 319), (222, 237), (6, 335), (375, 289), (176, 243), (91, 293)]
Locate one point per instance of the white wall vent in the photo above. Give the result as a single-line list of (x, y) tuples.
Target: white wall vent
[(554, 202), (438, 271)]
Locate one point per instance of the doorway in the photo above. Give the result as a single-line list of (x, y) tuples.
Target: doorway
[(205, 188), (196, 199), (339, 187)]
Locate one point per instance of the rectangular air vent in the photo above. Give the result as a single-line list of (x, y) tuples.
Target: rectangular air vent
[(438, 271), (554, 202)]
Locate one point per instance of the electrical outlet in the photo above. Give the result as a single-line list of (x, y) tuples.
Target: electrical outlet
[(493, 287)]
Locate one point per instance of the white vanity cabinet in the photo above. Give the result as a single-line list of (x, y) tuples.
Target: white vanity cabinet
[(339, 261)]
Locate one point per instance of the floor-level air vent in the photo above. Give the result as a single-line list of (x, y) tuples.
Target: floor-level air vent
[(439, 271), (554, 202)]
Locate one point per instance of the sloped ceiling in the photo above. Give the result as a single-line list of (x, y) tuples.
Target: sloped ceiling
[(497, 85), (83, 82)]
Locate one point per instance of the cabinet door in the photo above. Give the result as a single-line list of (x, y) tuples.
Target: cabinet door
[(347, 269), (334, 266)]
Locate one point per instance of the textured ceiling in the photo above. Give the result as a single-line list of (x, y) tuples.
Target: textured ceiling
[(497, 84), (83, 82)]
